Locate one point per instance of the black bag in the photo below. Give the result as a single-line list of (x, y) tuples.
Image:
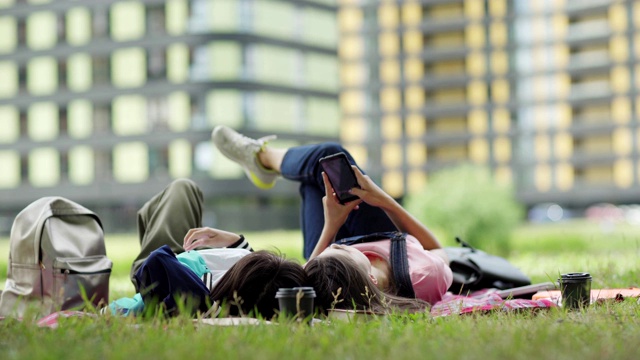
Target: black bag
[(474, 269), (398, 257)]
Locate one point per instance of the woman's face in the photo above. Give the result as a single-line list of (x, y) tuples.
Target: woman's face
[(342, 250)]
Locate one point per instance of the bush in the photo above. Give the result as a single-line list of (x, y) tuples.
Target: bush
[(465, 201)]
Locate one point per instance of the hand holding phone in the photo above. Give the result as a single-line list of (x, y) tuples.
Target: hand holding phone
[(341, 176)]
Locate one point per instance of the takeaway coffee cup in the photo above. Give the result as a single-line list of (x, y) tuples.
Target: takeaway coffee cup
[(296, 302), (576, 290)]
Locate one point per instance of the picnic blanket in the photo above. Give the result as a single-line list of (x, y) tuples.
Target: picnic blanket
[(484, 301), (597, 295)]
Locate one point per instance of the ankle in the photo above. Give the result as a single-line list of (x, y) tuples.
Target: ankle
[(264, 159)]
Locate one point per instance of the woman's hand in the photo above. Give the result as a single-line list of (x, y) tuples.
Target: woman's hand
[(369, 192), (335, 214), (208, 237)]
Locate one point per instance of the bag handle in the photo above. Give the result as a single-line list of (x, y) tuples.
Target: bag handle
[(465, 244)]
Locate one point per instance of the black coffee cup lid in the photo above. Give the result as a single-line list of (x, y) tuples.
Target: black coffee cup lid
[(576, 276), (307, 291)]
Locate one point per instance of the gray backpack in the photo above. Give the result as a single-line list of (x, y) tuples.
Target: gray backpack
[(57, 256)]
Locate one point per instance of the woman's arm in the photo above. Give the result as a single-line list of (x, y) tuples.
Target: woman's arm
[(335, 215), (373, 195), (209, 237)]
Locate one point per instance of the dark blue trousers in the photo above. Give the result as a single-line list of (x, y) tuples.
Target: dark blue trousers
[(165, 282)]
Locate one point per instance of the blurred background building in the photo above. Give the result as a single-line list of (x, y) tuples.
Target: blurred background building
[(106, 101), (543, 92)]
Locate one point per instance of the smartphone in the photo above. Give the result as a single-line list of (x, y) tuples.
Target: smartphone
[(341, 176)]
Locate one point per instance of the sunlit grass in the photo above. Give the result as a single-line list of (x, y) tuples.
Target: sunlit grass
[(608, 331)]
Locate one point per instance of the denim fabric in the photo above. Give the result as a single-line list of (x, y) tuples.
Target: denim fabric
[(301, 164)]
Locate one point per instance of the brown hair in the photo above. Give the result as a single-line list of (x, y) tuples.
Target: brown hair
[(249, 287), (339, 283)]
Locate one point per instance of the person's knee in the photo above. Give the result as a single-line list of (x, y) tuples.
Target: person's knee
[(330, 148), (183, 184)]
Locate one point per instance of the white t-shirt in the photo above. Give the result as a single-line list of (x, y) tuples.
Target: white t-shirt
[(219, 261)]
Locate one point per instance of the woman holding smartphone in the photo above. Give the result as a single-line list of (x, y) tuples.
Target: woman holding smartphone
[(358, 275)]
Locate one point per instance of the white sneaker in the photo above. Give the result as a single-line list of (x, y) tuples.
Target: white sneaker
[(244, 151)]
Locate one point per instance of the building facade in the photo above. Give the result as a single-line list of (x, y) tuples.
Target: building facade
[(105, 102), (542, 92)]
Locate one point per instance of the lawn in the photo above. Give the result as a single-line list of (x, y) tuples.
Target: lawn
[(605, 331)]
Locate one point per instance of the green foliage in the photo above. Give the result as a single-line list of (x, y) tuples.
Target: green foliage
[(601, 332), (465, 201)]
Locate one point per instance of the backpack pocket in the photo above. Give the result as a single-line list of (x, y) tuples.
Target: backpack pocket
[(74, 276)]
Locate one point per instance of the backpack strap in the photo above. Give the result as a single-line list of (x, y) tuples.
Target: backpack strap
[(399, 260)]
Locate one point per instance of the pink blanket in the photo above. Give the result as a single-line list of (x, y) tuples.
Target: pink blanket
[(484, 301), (480, 301)]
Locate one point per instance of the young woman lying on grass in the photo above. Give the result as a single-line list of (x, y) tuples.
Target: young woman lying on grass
[(212, 267), (345, 277)]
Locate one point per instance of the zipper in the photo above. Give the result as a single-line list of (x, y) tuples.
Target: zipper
[(76, 272)]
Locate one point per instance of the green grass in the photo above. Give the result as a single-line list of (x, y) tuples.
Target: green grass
[(608, 331)]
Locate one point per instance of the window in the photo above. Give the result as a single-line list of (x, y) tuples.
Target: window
[(9, 34), (9, 123), (276, 112), (320, 27), (78, 26), (44, 167), (81, 165), (128, 67), (9, 169), (224, 107), (42, 75), (80, 119), (79, 74), (274, 65), (321, 71), (177, 13), (180, 159), (131, 162), (9, 79), (43, 121), (127, 20), (275, 19), (42, 30), (225, 60), (129, 115)]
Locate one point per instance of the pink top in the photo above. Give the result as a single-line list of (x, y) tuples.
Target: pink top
[(430, 275)]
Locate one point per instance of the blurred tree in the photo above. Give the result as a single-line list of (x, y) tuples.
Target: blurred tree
[(465, 201)]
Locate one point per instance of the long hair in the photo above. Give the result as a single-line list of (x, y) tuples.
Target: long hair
[(340, 284), (249, 287)]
